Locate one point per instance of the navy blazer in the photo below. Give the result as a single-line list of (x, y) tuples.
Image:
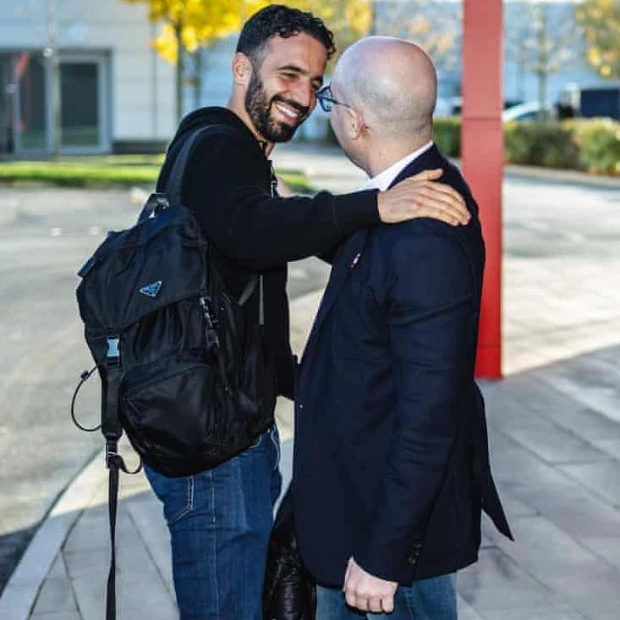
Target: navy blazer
[(391, 458)]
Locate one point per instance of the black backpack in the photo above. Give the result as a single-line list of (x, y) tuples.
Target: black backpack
[(182, 369)]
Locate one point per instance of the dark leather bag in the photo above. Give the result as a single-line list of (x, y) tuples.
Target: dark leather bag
[(290, 590)]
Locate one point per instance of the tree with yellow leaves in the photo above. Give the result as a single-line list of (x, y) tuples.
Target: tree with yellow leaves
[(601, 21), (189, 25)]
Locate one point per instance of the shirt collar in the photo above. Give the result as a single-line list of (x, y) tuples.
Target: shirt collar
[(384, 179)]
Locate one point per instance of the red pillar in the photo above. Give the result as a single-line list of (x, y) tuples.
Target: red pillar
[(483, 160)]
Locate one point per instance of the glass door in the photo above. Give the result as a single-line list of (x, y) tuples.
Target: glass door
[(31, 122), (83, 105), (23, 103), (23, 125)]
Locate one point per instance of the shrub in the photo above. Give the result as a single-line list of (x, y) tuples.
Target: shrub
[(540, 143), (599, 145), (447, 135)]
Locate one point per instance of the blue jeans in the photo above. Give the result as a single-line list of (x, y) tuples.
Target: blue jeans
[(427, 599), (219, 522)]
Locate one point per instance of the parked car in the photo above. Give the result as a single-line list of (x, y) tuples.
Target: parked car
[(528, 111)]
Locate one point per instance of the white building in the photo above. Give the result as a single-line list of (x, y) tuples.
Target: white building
[(116, 94)]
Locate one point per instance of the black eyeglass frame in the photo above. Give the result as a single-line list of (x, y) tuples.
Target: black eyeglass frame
[(327, 101)]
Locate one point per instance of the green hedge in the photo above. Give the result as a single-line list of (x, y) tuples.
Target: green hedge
[(447, 135), (592, 145), (540, 143), (598, 142)]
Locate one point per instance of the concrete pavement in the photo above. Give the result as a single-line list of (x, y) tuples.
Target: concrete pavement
[(555, 442)]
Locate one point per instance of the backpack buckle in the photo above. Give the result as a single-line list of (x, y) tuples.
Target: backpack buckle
[(212, 340), (154, 205), (111, 452), (113, 355)]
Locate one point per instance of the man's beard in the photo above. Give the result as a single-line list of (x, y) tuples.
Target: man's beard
[(259, 109)]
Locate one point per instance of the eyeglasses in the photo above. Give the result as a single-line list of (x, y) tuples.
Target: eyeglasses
[(326, 100)]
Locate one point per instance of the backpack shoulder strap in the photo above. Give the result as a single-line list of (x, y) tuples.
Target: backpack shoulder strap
[(174, 185), (174, 189)]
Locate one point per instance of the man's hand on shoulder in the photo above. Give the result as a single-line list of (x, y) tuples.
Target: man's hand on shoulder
[(367, 592), (422, 196)]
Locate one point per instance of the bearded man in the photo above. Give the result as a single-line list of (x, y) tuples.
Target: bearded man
[(220, 519)]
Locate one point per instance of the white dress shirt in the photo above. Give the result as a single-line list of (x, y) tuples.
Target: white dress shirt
[(384, 179)]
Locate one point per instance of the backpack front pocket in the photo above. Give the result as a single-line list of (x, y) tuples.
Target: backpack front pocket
[(167, 409)]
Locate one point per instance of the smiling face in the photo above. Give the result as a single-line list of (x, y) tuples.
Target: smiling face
[(281, 91)]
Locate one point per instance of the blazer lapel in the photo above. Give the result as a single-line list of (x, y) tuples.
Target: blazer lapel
[(344, 262)]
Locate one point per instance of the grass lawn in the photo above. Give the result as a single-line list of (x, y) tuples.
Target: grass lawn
[(102, 171)]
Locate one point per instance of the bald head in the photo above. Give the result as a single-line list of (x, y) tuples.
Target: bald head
[(392, 82)]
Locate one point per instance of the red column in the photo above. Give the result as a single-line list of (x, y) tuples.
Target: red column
[(483, 160)]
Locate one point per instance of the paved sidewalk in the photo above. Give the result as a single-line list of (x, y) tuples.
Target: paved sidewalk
[(555, 440)]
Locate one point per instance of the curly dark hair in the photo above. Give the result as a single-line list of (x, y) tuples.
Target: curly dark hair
[(284, 21)]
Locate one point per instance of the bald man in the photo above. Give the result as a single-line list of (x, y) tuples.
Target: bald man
[(391, 467)]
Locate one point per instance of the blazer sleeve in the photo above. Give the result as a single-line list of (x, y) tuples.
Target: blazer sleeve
[(428, 303), (226, 189)]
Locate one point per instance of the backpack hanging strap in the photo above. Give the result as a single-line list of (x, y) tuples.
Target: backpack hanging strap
[(115, 463), (111, 429)]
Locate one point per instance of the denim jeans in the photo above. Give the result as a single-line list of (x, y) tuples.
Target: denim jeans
[(219, 522), (427, 599)]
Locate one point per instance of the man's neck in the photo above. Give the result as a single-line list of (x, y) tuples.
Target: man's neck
[(385, 178), (242, 113), (385, 155)]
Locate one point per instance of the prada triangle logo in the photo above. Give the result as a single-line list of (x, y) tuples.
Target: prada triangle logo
[(152, 289)]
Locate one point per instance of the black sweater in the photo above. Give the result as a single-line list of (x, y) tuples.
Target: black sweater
[(227, 185)]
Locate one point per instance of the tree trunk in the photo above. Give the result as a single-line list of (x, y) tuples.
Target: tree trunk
[(53, 55), (374, 18), (180, 70), (543, 59), (56, 104), (542, 94), (198, 57)]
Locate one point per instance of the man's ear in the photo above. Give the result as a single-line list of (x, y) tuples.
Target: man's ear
[(241, 69), (355, 123)]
